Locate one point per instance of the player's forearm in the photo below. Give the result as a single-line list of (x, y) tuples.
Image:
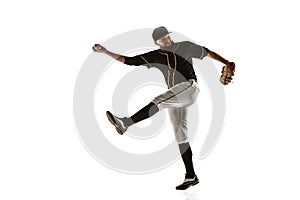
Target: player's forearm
[(217, 57), (115, 56)]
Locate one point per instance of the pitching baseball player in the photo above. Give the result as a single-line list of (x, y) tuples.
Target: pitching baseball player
[(174, 60)]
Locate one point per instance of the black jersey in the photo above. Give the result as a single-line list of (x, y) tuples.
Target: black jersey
[(176, 65)]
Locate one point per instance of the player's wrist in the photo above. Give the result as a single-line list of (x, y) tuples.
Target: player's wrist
[(230, 63), (105, 51), (226, 62)]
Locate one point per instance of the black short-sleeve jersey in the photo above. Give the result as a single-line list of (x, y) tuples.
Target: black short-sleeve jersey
[(176, 64)]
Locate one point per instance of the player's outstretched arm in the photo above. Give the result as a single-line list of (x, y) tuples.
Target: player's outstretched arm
[(219, 58), (227, 71), (100, 49)]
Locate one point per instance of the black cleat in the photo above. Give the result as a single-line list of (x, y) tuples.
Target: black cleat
[(117, 122), (188, 182)]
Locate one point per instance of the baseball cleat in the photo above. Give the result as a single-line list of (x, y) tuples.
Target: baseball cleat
[(188, 182), (117, 122)]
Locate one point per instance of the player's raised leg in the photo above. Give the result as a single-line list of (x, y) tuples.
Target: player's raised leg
[(122, 124), (183, 94)]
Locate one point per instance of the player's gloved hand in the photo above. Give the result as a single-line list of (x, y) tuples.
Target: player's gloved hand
[(227, 73), (98, 48)]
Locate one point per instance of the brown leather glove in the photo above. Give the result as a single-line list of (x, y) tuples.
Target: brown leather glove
[(227, 73)]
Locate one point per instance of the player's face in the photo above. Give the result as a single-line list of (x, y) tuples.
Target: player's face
[(164, 41)]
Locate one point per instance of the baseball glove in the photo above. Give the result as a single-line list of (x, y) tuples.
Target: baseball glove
[(227, 73)]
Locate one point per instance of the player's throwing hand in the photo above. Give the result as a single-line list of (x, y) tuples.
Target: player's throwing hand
[(98, 48)]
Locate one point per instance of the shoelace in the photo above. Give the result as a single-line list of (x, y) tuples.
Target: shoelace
[(121, 122), (188, 179)]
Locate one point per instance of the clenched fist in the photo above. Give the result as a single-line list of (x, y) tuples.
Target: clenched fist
[(98, 48)]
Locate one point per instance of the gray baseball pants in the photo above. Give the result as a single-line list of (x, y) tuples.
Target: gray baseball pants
[(177, 99)]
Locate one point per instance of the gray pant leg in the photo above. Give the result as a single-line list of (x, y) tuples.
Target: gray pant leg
[(178, 117), (181, 95)]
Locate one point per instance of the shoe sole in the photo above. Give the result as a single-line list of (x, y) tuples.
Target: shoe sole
[(196, 183), (113, 122), (189, 185)]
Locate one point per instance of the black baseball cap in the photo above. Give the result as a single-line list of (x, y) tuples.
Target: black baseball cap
[(159, 32)]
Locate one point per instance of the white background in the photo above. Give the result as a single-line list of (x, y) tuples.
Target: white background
[(43, 45)]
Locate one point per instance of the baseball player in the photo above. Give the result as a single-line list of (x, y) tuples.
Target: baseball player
[(174, 60)]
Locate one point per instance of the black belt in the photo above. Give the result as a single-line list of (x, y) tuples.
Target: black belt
[(193, 80)]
